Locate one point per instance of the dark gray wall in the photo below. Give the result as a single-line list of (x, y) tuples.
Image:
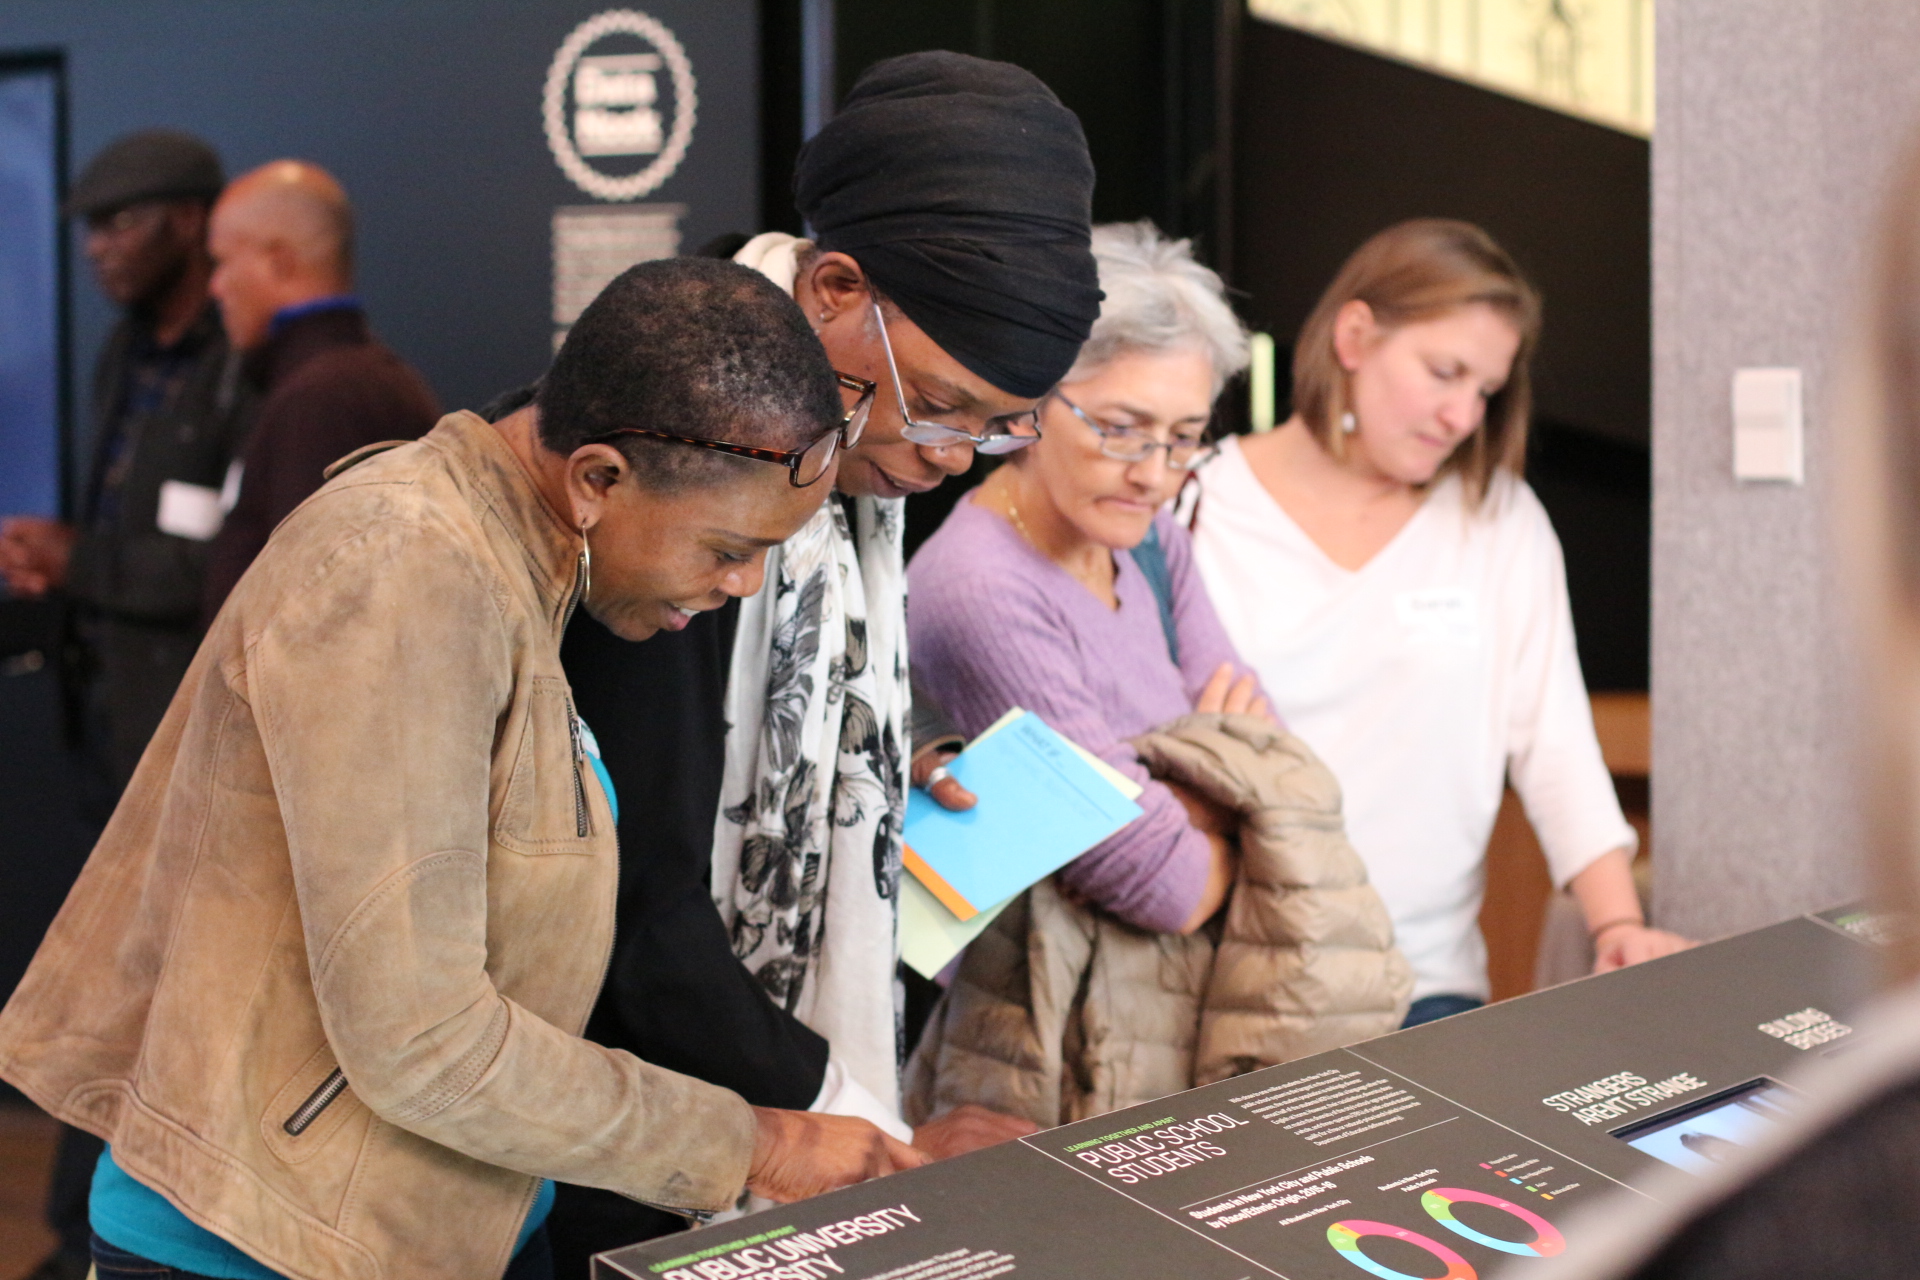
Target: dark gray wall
[(429, 112), (1780, 121)]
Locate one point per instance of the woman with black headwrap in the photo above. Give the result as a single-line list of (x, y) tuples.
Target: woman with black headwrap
[(765, 747)]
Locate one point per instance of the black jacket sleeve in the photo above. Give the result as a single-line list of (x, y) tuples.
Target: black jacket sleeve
[(930, 727), (675, 994)]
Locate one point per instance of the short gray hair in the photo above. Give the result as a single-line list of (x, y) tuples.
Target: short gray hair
[(1159, 299)]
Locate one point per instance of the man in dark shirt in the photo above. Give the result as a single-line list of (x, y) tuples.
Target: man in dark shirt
[(282, 241), (168, 420), (169, 414)]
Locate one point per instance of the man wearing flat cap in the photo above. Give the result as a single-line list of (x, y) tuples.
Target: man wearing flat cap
[(168, 419), (169, 416), (768, 744)]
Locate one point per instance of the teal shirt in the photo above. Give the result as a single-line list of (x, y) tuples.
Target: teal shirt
[(132, 1216)]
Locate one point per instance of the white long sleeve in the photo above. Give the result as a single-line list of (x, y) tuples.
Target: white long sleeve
[(841, 1095), (1422, 679)]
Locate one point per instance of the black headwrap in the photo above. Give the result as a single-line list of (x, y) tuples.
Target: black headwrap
[(964, 189)]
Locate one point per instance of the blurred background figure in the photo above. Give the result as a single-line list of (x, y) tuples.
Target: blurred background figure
[(168, 420), (282, 243), (169, 414)]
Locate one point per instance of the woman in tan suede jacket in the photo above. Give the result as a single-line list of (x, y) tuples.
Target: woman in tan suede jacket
[(321, 983)]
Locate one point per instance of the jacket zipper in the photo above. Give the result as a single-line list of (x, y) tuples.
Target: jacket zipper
[(581, 827), (319, 1100), (694, 1217)]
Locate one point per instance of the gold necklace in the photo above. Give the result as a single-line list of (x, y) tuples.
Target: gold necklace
[(1101, 587), (1013, 514)]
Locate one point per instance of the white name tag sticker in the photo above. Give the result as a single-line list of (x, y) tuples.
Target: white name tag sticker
[(189, 510), (1439, 615)]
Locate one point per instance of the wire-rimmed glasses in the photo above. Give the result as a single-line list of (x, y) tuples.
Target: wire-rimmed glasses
[(1130, 444), (1003, 434), (854, 425)]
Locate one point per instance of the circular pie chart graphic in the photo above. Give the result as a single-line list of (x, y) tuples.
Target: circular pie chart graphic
[(1346, 1237), (1547, 1240)]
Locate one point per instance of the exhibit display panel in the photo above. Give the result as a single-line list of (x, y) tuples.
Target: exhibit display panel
[(1461, 1148)]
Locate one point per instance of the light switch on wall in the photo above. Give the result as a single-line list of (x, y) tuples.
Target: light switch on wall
[(1768, 427)]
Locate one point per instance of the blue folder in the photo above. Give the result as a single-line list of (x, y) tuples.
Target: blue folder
[(1041, 806)]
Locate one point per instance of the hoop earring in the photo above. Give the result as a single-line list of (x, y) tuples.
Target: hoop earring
[(1348, 423), (586, 563)]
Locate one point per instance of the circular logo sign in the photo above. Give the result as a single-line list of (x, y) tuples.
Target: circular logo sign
[(619, 105)]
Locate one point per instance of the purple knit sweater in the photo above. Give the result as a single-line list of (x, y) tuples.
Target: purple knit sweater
[(993, 624)]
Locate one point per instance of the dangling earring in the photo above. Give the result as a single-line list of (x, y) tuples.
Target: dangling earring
[(586, 563), (1348, 423)]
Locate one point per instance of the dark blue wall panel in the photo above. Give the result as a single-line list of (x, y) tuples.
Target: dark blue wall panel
[(429, 111)]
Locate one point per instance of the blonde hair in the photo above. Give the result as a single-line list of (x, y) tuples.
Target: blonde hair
[(1158, 299), (1416, 271)]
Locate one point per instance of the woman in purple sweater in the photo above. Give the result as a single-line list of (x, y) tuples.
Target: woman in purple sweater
[(1033, 593)]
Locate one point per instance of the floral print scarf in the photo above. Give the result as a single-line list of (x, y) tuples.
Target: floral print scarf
[(807, 844)]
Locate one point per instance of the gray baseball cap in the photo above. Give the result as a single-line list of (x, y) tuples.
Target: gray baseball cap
[(153, 164)]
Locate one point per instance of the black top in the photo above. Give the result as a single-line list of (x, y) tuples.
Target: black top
[(176, 412), (675, 994)]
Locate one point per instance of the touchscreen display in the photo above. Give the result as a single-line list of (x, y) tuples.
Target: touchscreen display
[(1701, 1135)]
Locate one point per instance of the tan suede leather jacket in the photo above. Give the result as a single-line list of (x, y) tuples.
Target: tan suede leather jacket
[(364, 842)]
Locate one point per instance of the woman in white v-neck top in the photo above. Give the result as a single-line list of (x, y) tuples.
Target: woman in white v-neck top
[(1381, 564)]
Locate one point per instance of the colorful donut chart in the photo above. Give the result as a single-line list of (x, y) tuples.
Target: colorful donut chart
[(1346, 1237), (1439, 1205)]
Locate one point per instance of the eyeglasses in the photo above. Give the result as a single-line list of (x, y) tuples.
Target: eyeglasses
[(1003, 435), (854, 425), (804, 466), (1130, 444)]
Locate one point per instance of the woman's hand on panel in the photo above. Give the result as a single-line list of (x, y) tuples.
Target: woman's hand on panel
[(929, 773), (1629, 943), (1616, 920), (798, 1154), (968, 1127), (1225, 695)]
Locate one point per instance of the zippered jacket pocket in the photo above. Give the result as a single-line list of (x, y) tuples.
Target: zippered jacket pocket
[(547, 807), (309, 1108), (317, 1102)]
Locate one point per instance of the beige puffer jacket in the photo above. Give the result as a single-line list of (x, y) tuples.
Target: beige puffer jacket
[(1060, 1012)]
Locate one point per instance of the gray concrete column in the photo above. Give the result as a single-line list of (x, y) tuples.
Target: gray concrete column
[(1777, 123)]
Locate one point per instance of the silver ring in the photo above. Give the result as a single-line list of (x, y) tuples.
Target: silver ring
[(938, 776)]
